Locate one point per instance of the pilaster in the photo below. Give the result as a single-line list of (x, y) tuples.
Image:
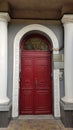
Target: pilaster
[(4, 19)]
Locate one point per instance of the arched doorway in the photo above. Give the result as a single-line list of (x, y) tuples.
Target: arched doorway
[(35, 79), (16, 59)]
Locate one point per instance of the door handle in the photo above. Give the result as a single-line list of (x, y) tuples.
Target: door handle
[(36, 82)]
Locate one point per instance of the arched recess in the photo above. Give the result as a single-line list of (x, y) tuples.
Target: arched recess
[(56, 94)]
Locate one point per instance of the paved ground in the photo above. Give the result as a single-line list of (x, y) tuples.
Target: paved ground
[(34, 124)]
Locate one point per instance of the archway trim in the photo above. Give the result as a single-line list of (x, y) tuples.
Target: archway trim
[(16, 61)]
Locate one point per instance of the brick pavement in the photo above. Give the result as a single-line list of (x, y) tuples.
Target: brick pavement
[(40, 124)]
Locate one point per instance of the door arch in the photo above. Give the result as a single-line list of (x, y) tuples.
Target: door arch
[(15, 99), (35, 95)]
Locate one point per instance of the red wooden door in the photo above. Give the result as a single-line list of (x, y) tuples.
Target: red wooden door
[(35, 83), (43, 83)]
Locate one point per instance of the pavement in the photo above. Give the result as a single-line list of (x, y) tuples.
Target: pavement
[(35, 124)]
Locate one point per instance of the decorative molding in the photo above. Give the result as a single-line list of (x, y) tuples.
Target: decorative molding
[(58, 57), (26, 21), (58, 65), (66, 106), (56, 93), (4, 17), (19, 35), (67, 99), (67, 19), (4, 100)]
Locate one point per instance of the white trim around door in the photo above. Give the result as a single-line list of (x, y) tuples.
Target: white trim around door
[(16, 51)]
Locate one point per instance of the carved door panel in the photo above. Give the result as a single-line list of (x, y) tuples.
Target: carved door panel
[(43, 95), (35, 84), (26, 85)]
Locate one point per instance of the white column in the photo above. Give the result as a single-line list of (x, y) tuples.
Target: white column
[(67, 21), (4, 18)]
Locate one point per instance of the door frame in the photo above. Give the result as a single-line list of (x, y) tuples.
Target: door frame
[(16, 61)]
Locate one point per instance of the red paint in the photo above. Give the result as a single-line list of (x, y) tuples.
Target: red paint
[(35, 83)]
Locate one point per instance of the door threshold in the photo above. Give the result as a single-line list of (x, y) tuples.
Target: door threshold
[(27, 117)]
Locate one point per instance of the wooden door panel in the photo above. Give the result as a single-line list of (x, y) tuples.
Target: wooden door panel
[(26, 70), (35, 84), (42, 60), (43, 87), (43, 73), (26, 86), (26, 102), (27, 80), (26, 60), (42, 77), (43, 105)]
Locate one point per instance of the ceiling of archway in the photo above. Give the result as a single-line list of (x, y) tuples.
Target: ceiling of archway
[(37, 9)]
